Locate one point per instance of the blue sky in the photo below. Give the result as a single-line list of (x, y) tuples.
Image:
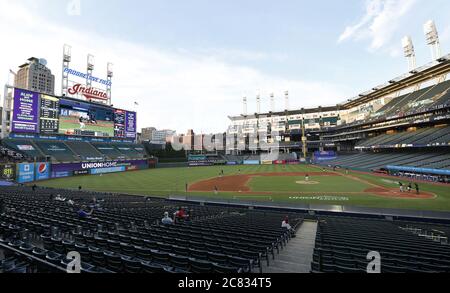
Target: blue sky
[(188, 63)]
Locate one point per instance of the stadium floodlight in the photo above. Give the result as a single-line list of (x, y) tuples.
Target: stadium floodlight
[(286, 99), (110, 69), (67, 53), (409, 52), (244, 104), (272, 102), (90, 62), (258, 103), (432, 39)]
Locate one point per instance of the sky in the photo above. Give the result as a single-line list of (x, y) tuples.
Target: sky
[(188, 64)]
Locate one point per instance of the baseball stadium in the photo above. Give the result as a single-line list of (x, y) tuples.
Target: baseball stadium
[(362, 186)]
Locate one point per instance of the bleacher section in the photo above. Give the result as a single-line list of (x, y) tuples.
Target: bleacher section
[(342, 246), (421, 137), (85, 151), (419, 101), (74, 151), (374, 161), (57, 151), (25, 147), (124, 234), (131, 150)]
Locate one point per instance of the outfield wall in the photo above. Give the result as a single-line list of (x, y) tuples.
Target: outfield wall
[(31, 172)]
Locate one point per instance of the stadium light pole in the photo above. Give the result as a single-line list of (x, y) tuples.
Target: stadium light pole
[(109, 74), (67, 58), (409, 52), (90, 69), (432, 39)]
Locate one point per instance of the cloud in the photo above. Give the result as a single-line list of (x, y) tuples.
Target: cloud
[(379, 23), (175, 89)]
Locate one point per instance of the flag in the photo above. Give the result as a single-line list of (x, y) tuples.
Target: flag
[(136, 104)]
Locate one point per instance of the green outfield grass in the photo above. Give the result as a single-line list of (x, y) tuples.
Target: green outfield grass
[(284, 189)]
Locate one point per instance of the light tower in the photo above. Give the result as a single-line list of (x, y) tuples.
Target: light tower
[(244, 106), (109, 74), (286, 100), (258, 103), (410, 53), (67, 58), (272, 102), (432, 38), (90, 69)]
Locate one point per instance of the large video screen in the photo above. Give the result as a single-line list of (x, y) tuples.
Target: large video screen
[(84, 119)]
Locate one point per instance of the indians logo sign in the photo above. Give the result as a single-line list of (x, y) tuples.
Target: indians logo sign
[(89, 93)]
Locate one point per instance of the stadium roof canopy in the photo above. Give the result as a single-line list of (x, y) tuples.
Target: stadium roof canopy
[(424, 73)]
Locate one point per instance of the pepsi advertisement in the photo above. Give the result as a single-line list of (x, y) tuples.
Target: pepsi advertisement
[(25, 173), (42, 171)]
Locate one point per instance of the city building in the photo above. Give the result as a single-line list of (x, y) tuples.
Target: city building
[(35, 76)]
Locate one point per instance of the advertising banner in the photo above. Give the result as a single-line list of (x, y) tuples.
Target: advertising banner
[(130, 125), (325, 155), (266, 162), (42, 171), (25, 173), (293, 162), (251, 162), (80, 168), (108, 170), (279, 162), (230, 163), (26, 112)]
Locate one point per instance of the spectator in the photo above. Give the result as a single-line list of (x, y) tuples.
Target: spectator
[(167, 220), (285, 223), (82, 213), (79, 188), (180, 214), (70, 202), (59, 198)]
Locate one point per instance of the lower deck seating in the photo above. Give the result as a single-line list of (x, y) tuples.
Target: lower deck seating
[(343, 244), (124, 233)]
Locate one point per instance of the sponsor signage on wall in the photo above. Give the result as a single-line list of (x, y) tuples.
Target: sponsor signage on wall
[(25, 173), (42, 171)]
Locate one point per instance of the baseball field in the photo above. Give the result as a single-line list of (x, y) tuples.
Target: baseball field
[(292, 184)]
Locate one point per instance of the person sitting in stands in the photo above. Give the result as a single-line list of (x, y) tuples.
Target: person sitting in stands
[(83, 214), (180, 214), (285, 224), (70, 202), (167, 220), (59, 198)]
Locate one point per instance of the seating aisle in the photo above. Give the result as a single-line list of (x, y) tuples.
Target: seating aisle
[(297, 256)]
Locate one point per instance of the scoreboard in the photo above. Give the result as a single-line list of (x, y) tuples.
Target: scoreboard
[(49, 117), (119, 123), (8, 172), (35, 113)]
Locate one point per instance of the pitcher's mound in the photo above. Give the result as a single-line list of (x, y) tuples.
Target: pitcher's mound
[(307, 182)]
